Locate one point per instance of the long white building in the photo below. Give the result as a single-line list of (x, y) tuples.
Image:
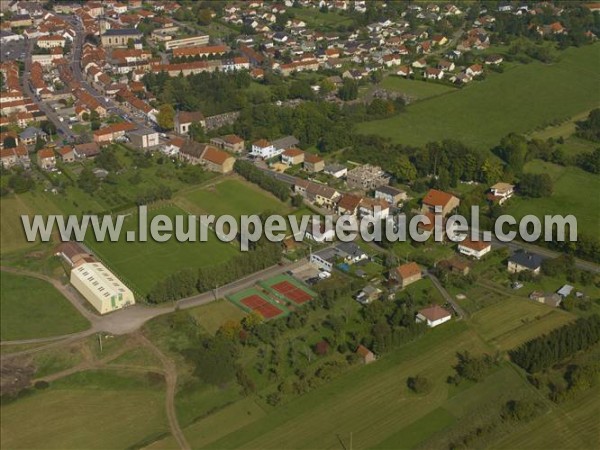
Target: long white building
[(101, 287)]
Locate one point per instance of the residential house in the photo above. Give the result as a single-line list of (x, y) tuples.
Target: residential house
[(320, 232), (46, 159), (112, 132), (368, 295), (433, 316), (476, 249), (351, 252), (9, 157), (445, 202), (456, 264), (230, 142), (390, 194), (322, 195), (313, 163), (548, 298), (405, 274), (285, 142), (373, 208), (474, 70), (264, 149), (348, 205), (67, 154), (365, 354), (522, 260), (144, 138), (217, 160), (185, 119), (493, 60), (431, 73), (336, 170), (292, 156), (500, 192), (30, 135), (404, 71), (87, 151)]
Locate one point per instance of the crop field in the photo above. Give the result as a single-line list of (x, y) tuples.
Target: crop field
[(88, 410), (519, 100), (575, 192), (573, 425), (212, 316), (234, 197), (510, 322), (373, 402), (32, 308), (142, 264), (419, 90)]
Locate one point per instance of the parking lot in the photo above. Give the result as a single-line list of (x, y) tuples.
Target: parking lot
[(14, 50)]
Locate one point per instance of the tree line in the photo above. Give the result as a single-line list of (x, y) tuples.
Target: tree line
[(253, 174), (547, 350), (190, 281)]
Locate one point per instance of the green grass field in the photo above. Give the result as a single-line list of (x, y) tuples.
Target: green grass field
[(212, 316), (575, 192), (12, 236), (573, 425), (417, 89), (92, 410), (32, 308), (511, 322), (234, 197), (320, 20), (519, 100), (142, 264)]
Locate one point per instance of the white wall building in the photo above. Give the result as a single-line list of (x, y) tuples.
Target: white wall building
[(434, 315), (101, 287)]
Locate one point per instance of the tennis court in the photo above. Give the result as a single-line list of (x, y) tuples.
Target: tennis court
[(261, 306), (255, 299), (289, 289)]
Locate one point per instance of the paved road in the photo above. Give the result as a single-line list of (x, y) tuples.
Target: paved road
[(460, 312), (131, 319), (52, 116)]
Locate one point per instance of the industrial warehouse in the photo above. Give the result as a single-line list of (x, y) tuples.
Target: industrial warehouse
[(94, 281)]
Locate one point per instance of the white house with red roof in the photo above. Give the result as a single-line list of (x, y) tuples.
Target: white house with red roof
[(433, 316)]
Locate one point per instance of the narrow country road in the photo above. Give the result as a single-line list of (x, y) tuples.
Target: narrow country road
[(460, 312), (171, 388)]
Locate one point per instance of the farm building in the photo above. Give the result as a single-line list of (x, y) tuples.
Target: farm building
[(434, 315), (365, 354), (101, 287)]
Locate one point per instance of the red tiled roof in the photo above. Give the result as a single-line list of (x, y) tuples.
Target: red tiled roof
[(437, 198), (475, 245), (434, 312), (215, 156), (408, 270)]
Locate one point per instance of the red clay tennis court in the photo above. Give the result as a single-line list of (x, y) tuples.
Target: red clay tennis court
[(261, 306), (294, 293)]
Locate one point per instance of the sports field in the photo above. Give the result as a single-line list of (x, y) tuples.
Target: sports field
[(234, 197), (142, 264), (254, 300), (94, 410), (32, 308), (289, 289), (518, 100), (575, 192), (512, 321)]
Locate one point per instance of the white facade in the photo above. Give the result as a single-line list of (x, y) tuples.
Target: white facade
[(101, 287), (265, 152), (320, 262), (477, 253), (432, 323)]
